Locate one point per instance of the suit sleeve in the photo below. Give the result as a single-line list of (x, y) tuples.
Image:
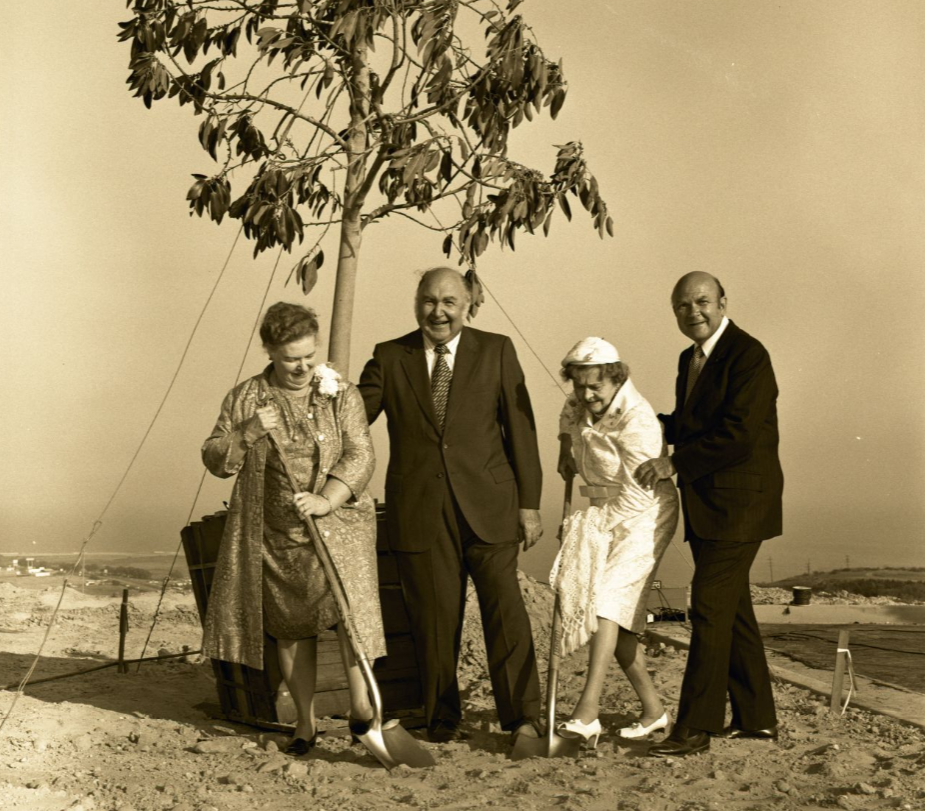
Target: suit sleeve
[(667, 421), (370, 386), (731, 438), (670, 421), (520, 429)]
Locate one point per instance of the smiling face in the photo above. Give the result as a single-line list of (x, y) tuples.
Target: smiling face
[(441, 305), (593, 389), (294, 362), (698, 306)]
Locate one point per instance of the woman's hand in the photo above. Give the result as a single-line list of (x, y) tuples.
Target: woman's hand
[(265, 419), (308, 504), (566, 467)]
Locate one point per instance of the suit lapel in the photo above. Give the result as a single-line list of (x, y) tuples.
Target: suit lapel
[(715, 360), (464, 367), (415, 365)]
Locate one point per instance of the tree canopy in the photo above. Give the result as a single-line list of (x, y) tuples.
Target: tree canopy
[(348, 112)]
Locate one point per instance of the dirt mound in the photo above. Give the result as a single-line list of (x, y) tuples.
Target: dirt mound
[(141, 742), (771, 595)]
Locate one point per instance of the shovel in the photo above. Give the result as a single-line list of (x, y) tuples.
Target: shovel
[(552, 744), (392, 744)]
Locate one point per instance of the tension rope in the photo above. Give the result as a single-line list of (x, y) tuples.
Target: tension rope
[(99, 520), (202, 478)]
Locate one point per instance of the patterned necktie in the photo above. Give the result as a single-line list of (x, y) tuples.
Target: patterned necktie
[(697, 361), (440, 382)]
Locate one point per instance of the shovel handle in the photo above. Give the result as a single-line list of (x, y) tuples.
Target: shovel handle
[(567, 499), (337, 589), (552, 675)]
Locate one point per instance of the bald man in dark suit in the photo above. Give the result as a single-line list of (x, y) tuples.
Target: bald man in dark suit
[(725, 437), (462, 493)]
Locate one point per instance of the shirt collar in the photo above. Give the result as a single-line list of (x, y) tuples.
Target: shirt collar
[(450, 345), (623, 401), (710, 343)]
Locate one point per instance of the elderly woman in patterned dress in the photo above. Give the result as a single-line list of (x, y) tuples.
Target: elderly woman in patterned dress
[(268, 577), (610, 551)]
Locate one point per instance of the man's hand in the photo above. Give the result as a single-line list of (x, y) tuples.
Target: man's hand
[(650, 472), (531, 528)]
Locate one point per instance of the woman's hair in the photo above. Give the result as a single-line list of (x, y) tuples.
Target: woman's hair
[(284, 323), (618, 371)]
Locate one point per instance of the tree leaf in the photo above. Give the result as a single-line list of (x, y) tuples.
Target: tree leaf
[(308, 274), (546, 224), (557, 101), (563, 202)]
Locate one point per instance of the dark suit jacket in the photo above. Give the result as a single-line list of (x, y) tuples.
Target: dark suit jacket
[(725, 441), (487, 452)]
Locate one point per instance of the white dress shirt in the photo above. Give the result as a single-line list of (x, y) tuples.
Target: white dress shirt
[(709, 343), (431, 356)]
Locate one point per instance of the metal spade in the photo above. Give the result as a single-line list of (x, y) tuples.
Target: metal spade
[(551, 744)]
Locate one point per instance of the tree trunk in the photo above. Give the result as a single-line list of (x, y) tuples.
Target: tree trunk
[(344, 290), (350, 232)]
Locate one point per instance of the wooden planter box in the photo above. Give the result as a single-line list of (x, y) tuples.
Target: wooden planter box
[(259, 697)]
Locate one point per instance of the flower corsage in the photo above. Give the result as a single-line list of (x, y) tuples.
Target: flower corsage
[(327, 381)]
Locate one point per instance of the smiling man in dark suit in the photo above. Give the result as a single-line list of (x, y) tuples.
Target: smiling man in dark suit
[(725, 438), (462, 493)]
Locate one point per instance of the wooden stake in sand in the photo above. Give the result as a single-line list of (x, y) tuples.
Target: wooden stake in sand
[(123, 631), (842, 660)]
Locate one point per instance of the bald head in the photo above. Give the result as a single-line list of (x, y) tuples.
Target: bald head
[(699, 304), (441, 304), (698, 277), (441, 273)]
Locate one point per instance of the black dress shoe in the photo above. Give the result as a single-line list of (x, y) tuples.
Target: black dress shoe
[(301, 746), (732, 733), (357, 727), (682, 741), (441, 731)]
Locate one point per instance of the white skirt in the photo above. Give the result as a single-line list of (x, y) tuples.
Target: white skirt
[(606, 566)]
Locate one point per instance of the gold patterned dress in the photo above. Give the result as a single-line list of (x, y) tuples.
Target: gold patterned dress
[(297, 601), (268, 577)]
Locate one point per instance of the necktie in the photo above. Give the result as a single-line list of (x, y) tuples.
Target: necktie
[(697, 361), (440, 382)]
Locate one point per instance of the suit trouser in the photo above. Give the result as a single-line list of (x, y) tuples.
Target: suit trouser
[(434, 586), (726, 654)]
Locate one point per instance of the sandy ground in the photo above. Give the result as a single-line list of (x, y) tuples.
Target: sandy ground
[(106, 741)]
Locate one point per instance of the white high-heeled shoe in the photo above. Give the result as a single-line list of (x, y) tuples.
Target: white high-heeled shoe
[(575, 728), (637, 730)]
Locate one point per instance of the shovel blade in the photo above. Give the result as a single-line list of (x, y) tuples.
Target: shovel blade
[(547, 746), (393, 745)]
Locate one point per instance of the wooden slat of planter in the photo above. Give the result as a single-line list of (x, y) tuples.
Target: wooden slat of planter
[(395, 695), (400, 649)]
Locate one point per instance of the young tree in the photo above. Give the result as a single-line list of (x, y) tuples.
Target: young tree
[(350, 111)]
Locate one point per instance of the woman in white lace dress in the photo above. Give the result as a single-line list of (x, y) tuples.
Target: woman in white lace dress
[(610, 551)]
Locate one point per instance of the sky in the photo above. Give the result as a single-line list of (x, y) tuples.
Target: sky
[(778, 146)]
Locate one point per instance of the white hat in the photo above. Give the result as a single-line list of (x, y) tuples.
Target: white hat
[(591, 352)]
